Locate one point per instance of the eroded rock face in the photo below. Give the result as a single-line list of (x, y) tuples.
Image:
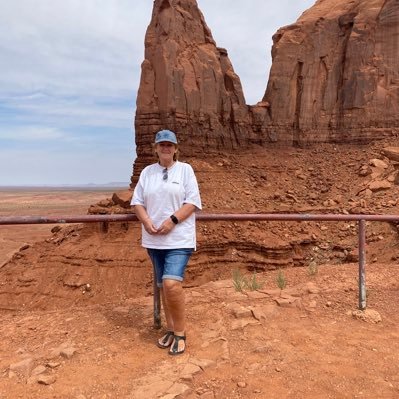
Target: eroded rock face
[(335, 73), (188, 85), (334, 77)]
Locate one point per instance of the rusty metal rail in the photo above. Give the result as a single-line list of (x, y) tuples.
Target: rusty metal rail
[(11, 220), (360, 219)]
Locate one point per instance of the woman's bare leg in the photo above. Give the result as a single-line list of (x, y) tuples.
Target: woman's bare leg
[(168, 317), (175, 302)]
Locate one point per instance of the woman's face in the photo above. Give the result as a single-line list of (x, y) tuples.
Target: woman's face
[(165, 151)]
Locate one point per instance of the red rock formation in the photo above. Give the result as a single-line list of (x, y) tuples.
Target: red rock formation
[(335, 73), (187, 85), (334, 77)]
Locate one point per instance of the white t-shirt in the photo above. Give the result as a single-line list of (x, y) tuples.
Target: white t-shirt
[(161, 198)]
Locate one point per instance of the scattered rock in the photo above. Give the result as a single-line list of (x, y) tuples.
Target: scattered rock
[(105, 203), (46, 379), (379, 185), (239, 311), (256, 294), (311, 288), (392, 153), (56, 229), (65, 350), (288, 302), (53, 365), (122, 198), (189, 371), (264, 311), (178, 389), (352, 256), (203, 363), (68, 352), (241, 323), (365, 171), (378, 163), (24, 367), (38, 370), (367, 315)]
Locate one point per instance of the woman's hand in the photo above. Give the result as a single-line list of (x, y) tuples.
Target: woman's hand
[(166, 226), (149, 227)]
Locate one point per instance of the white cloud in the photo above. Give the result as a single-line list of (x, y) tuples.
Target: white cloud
[(31, 133), (70, 71), (72, 47), (79, 111)]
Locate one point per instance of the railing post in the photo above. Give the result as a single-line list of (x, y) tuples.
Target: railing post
[(157, 303), (362, 264)]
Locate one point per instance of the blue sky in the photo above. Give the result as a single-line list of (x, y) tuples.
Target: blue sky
[(69, 75)]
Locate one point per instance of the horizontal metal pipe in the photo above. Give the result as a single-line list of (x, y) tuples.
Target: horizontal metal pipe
[(10, 220), (13, 220), (294, 217)]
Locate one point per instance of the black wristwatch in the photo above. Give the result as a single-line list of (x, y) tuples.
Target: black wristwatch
[(175, 220)]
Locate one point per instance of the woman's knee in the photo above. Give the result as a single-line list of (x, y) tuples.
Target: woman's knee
[(172, 287)]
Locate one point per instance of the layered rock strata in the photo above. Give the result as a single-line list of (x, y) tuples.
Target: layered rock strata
[(335, 73), (334, 77)]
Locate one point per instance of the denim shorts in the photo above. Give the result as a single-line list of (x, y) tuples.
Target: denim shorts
[(169, 263)]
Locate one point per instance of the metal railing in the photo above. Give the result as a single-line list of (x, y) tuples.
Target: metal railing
[(360, 219)]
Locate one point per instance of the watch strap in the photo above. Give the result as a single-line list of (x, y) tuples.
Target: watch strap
[(175, 220)]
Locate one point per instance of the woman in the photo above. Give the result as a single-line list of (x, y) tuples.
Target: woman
[(165, 199)]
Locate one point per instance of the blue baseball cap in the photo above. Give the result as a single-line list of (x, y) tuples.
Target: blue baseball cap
[(165, 135)]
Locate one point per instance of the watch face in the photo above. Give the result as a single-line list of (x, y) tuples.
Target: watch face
[(174, 219)]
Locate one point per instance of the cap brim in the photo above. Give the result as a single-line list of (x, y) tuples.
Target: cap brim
[(165, 141)]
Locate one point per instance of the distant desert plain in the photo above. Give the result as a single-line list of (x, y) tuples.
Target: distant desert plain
[(42, 201)]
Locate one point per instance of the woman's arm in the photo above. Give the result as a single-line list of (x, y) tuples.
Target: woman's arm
[(142, 215), (184, 212), (181, 214)]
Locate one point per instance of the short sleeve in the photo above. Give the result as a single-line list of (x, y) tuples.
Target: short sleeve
[(138, 193), (192, 195)]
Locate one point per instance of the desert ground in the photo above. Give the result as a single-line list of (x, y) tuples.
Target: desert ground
[(40, 201), (290, 332)]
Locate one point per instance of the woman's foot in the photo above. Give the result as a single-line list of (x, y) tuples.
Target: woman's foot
[(166, 340), (178, 346)]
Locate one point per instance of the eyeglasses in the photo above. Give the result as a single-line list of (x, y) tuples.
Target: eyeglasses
[(165, 174)]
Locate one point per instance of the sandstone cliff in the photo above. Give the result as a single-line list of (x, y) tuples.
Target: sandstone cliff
[(334, 77), (335, 73)]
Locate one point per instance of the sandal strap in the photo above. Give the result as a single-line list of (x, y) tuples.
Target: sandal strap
[(164, 340), (174, 349)]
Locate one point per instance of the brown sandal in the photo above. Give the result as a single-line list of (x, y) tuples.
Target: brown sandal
[(165, 341), (174, 349)]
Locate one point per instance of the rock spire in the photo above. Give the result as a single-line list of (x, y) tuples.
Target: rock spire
[(187, 85)]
